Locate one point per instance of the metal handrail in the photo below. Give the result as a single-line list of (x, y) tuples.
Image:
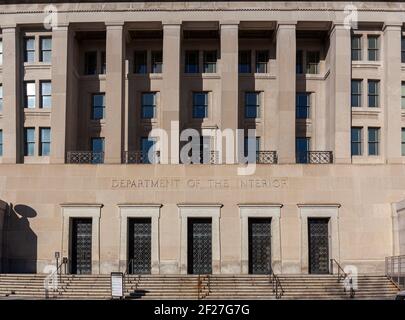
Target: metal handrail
[(342, 275), (276, 283), (395, 270)]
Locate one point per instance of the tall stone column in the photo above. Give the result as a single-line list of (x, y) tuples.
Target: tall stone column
[(12, 111), (170, 112), (286, 56), (391, 91), (60, 56), (229, 79), (114, 114), (340, 106)]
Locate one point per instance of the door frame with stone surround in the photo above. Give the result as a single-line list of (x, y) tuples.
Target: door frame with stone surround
[(92, 211), (331, 211), (212, 211), (272, 211)]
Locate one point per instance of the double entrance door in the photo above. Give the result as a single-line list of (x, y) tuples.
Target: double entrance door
[(139, 245), (81, 243), (259, 232), (318, 245), (199, 246)]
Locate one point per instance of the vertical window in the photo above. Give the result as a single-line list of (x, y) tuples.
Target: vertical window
[(303, 104), (140, 64), (1, 142), (373, 93), (148, 144), (90, 63), (1, 98), (373, 51), (46, 94), (299, 68), (252, 104), (403, 95), (29, 50), (148, 105), (205, 149), (29, 141), (210, 61), (312, 62), (262, 58), (29, 95), (245, 64), (192, 62), (301, 149), (46, 49), (403, 49), (157, 62), (256, 145), (200, 105), (97, 148), (403, 141), (356, 48), (356, 93), (45, 141), (373, 141), (356, 137), (98, 106), (1, 52), (103, 63)]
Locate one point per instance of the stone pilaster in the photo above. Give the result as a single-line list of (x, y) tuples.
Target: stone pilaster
[(60, 72), (229, 79), (286, 56), (12, 111), (170, 112), (114, 114), (340, 91), (391, 92)]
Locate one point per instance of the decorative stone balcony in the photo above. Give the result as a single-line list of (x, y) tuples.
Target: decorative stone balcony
[(83, 157), (315, 157), (140, 157), (266, 157)]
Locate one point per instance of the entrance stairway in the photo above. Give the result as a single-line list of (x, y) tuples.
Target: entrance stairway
[(31, 286)]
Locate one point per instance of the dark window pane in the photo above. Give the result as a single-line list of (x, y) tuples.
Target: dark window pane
[(90, 66), (192, 62)]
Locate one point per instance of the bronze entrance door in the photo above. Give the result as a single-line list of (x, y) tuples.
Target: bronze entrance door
[(259, 245), (318, 243), (199, 246), (139, 245), (81, 246)]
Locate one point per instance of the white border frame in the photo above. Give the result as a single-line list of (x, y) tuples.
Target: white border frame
[(272, 211), (151, 211), (93, 211), (212, 211), (330, 211)]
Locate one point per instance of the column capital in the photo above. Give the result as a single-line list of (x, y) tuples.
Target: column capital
[(172, 23), (286, 24), (11, 27), (392, 26)]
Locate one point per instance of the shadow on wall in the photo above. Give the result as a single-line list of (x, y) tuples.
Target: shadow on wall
[(20, 242)]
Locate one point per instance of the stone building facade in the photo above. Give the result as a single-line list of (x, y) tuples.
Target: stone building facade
[(82, 88)]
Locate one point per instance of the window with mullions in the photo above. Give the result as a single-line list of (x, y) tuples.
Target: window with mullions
[(356, 93), (356, 141), (356, 48), (192, 62), (29, 95), (46, 94), (303, 105), (252, 105), (302, 149), (148, 105), (373, 141), (97, 148), (140, 62), (157, 62), (45, 141), (148, 146), (245, 62), (262, 59), (373, 93), (46, 49), (210, 61), (312, 62), (200, 105), (90, 63), (98, 106), (255, 144), (29, 141), (373, 48), (29, 50)]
